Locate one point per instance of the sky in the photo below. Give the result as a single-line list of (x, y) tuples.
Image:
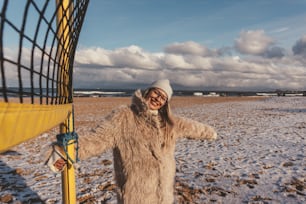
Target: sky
[(197, 44)]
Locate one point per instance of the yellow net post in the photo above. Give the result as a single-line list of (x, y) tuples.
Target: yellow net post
[(64, 30), (36, 89), (68, 175)]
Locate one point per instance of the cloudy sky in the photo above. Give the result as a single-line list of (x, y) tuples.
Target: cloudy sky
[(202, 44), (197, 44)]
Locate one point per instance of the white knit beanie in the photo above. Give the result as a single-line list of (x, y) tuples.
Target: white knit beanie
[(164, 85)]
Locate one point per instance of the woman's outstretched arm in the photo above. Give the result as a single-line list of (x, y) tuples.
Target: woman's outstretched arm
[(92, 143), (101, 138), (192, 129)]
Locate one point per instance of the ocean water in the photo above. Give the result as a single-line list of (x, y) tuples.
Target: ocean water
[(129, 92), (96, 92)]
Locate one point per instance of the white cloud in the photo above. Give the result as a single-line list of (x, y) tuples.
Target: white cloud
[(199, 62), (130, 66), (131, 56), (280, 30), (224, 72), (189, 48), (30, 66), (253, 42), (176, 61), (96, 56)]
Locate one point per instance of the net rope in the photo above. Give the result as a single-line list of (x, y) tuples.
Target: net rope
[(37, 50)]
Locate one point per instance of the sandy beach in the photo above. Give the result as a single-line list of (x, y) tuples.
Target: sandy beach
[(259, 156), (88, 110)]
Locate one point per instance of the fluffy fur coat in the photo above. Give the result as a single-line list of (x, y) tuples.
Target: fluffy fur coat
[(143, 150)]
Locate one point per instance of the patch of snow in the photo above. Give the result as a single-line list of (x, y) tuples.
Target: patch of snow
[(259, 157)]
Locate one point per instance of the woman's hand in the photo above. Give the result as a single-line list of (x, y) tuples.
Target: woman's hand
[(59, 164), (56, 160)]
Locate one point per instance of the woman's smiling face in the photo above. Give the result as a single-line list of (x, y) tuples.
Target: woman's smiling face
[(156, 98)]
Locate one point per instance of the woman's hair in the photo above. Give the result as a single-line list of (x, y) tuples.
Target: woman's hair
[(166, 116), (165, 113)]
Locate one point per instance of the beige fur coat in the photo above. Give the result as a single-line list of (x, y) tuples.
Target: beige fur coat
[(143, 150)]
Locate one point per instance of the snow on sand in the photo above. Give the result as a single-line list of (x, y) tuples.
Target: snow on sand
[(259, 157)]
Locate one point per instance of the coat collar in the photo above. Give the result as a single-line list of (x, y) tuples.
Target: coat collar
[(139, 105)]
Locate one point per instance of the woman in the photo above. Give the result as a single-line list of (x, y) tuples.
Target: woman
[(143, 137)]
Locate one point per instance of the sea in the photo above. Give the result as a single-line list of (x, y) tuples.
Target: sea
[(97, 92), (218, 93), (129, 92)]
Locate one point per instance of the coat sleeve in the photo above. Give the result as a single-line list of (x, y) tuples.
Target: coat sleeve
[(192, 129), (101, 138)]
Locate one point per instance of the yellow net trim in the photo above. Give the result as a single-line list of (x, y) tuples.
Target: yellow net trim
[(21, 122)]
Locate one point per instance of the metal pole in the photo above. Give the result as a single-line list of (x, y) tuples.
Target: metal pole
[(64, 31), (68, 175)]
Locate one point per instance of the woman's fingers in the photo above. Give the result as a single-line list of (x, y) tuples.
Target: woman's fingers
[(59, 164)]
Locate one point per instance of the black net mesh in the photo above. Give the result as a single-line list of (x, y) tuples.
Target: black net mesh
[(38, 39)]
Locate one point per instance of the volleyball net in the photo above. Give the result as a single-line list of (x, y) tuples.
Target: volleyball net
[(38, 40)]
